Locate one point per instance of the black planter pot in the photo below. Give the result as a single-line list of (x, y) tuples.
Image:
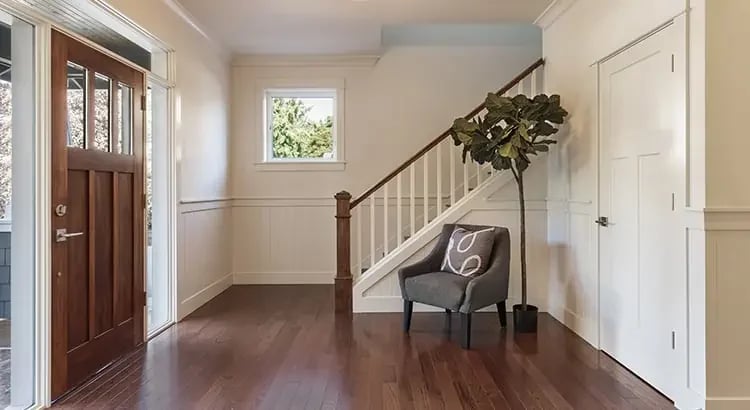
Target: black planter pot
[(524, 321)]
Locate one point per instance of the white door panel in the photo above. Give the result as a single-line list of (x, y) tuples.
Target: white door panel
[(639, 184)]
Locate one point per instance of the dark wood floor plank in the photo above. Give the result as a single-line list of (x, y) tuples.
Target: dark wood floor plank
[(281, 347)]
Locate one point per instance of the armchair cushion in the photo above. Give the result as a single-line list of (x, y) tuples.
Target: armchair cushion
[(468, 252), (441, 289)]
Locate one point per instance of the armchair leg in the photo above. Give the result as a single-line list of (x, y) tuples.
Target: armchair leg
[(502, 314), (408, 307), (448, 318), (466, 330)]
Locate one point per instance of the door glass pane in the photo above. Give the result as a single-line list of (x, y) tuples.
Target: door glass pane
[(157, 209), (124, 113), (76, 106), (101, 112)]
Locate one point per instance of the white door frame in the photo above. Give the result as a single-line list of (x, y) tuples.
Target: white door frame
[(43, 26)]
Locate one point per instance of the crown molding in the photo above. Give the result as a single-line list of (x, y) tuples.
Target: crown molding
[(193, 22), (335, 60), (553, 12)]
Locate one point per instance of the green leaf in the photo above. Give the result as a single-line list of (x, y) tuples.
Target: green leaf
[(521, 164), (464, 125), (509, 151), (523, 130), (496, 102), (464, 138)]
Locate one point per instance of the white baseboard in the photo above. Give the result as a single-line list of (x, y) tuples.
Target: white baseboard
[(284, 278), (391, 304), (193, 302)]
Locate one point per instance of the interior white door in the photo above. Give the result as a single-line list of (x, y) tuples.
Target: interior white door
[(641, 166)]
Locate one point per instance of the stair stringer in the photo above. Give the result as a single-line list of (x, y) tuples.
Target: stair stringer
[(379, 271)]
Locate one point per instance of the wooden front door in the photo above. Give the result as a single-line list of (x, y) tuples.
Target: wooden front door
[(97, 211)]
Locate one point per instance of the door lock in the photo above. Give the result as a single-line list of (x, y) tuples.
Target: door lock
[(62, 235), (61, 210), (602, 221)]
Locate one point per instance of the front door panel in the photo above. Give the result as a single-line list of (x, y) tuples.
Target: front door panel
[(97, 215)]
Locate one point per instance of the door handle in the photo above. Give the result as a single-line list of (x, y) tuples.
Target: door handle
[(602, 221), (62, 235)]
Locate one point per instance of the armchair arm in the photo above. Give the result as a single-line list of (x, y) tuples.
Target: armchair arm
[(491, 287), (430, 263)]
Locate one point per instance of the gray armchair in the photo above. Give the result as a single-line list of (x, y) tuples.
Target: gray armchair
[(423, 282)]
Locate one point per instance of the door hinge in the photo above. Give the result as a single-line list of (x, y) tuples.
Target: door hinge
[(143, 102), (145, 298), (674, 342)]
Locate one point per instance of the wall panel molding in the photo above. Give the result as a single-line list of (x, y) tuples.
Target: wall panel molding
[(187, 206)]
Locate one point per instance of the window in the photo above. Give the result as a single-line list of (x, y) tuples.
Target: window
[(301, 129)]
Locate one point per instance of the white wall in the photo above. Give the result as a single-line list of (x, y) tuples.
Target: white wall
[(576, 35), (202, 95), (393, 108), (728, 205)]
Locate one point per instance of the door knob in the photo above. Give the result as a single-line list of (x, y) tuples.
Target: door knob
[(602, 221), (62, 235)]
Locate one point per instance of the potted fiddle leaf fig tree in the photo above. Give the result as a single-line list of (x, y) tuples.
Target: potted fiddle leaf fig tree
[(507, 136)]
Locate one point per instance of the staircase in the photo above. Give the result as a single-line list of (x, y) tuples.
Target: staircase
[(405, 211)]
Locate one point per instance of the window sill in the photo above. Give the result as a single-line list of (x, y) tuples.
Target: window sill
[(301, 166)]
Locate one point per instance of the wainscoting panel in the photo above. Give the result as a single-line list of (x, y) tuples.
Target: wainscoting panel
[(293, 240), (284, 241), (573, 283), (727, 306), (204, 255)]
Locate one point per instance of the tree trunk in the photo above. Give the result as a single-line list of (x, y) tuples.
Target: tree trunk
[(522, 203)]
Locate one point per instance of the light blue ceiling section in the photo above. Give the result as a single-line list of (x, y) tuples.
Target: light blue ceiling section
[(505, 34)]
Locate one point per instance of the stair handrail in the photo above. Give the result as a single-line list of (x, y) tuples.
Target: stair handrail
[(473, 113)]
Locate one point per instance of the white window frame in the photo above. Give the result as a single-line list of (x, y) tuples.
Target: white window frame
[(268, 89)]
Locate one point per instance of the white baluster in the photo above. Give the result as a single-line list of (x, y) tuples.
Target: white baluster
[(452, 157), (412, 188), (466, 175), (520, 86), (533, 83), (479, 173), (425, 189), (399, 211), (372, 230), (359, 240), (439, 209), (385, 219)]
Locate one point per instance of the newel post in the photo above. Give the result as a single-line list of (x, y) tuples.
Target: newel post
[(343, 283)]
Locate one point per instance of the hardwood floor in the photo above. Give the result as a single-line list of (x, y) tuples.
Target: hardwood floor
[(281, 347)]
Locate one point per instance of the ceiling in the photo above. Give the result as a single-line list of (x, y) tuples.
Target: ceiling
[(340, 26)]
